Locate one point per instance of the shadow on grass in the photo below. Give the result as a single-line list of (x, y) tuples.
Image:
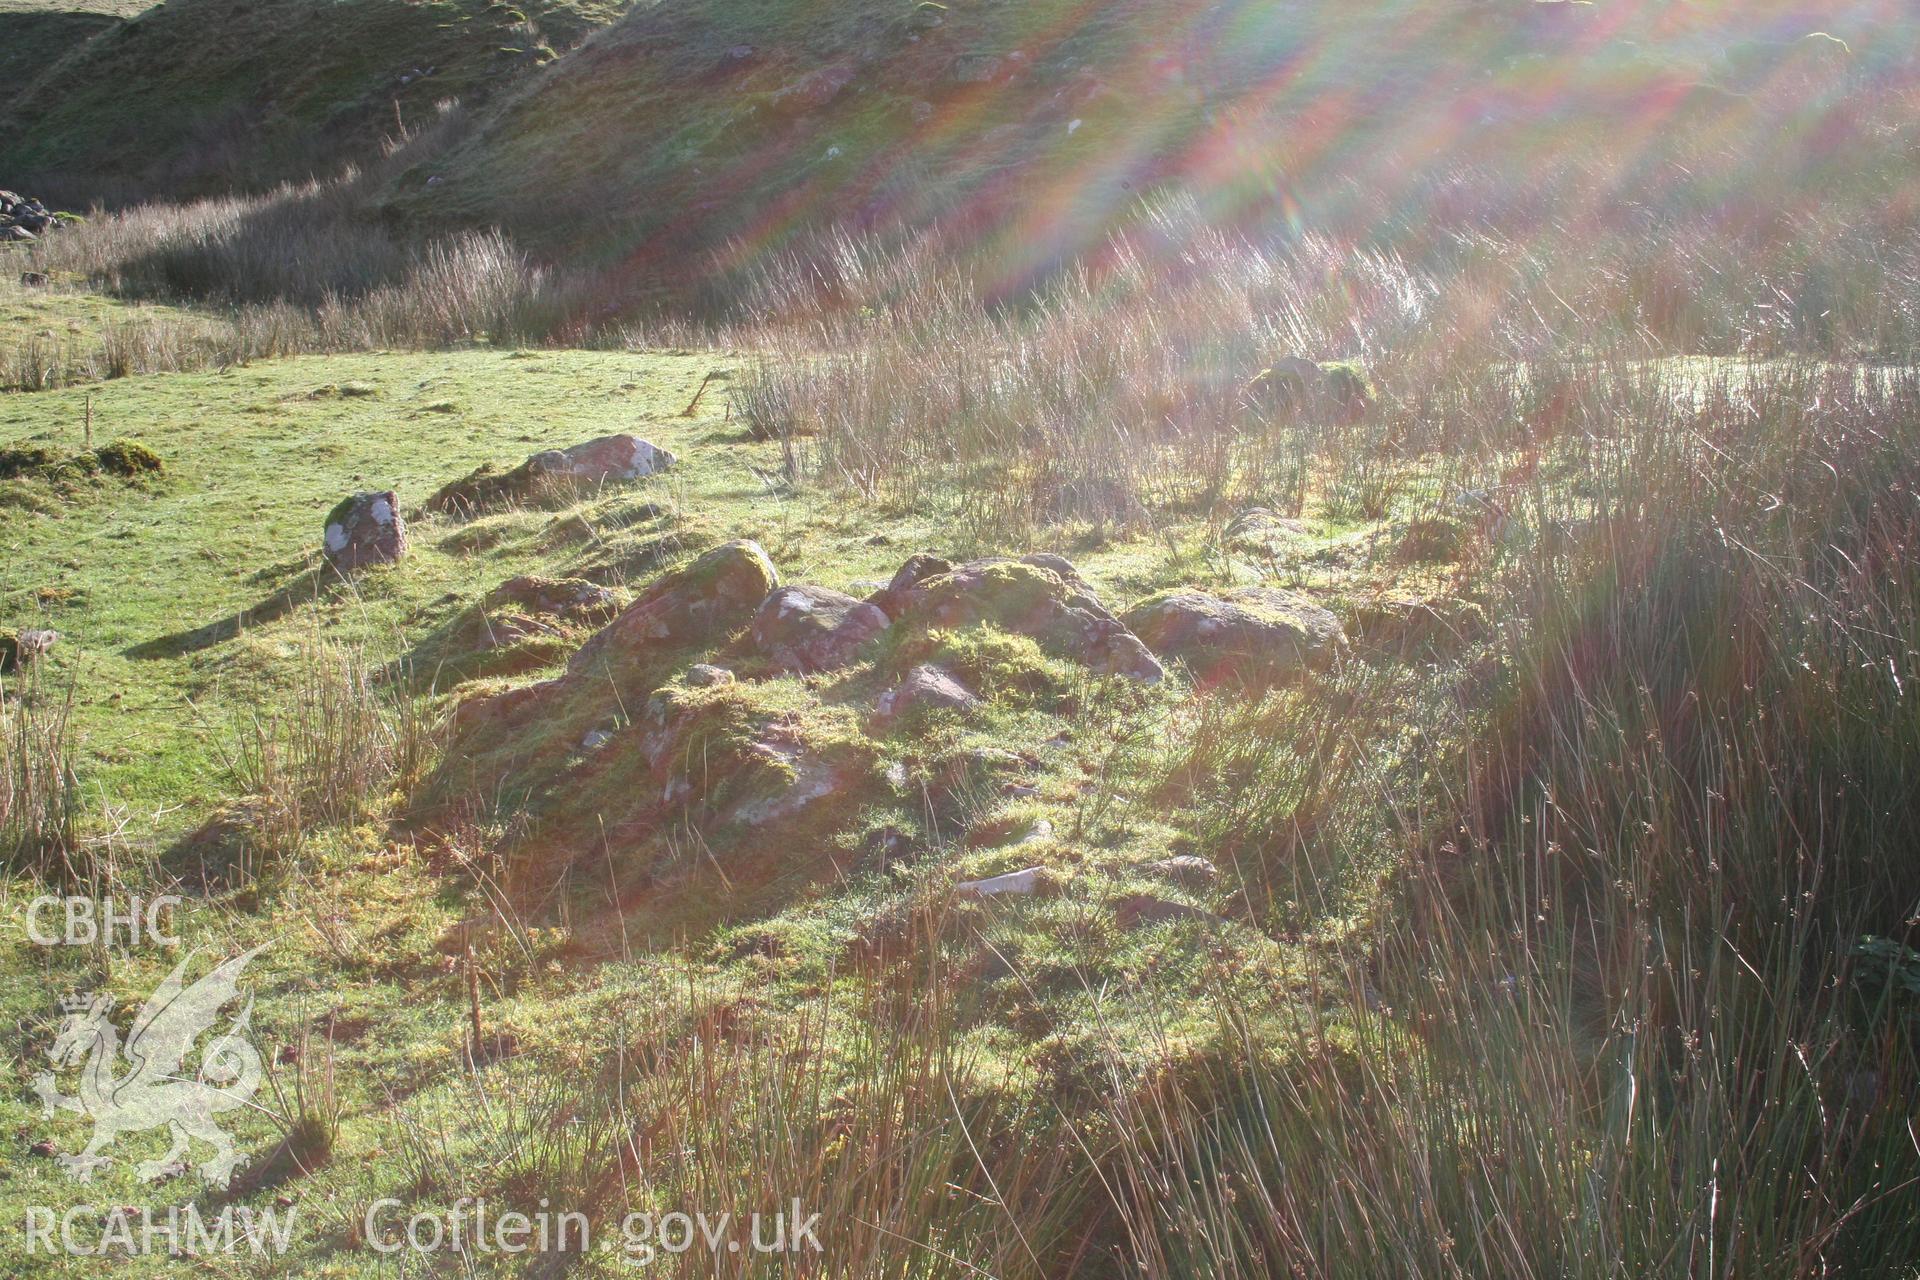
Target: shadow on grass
[(311, 587), (285, 1163)]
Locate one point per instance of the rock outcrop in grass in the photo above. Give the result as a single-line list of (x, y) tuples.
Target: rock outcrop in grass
[(923, 690), (23, 648), (1256, 635), (814, 629), (554, 475), (701, 604), (24, 218), (1039, 596)]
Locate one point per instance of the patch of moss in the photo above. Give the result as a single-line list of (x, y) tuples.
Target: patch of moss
[(989, 661), (723, 748), (24, 460), (1013, 588), (340, 511), (129, 458)]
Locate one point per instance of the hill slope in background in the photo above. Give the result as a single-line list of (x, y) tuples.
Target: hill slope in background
[(1028, 129), (201, 96), (1025, 132), (33, 39)]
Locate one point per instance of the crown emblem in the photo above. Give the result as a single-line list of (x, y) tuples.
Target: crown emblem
[(76, 1002)]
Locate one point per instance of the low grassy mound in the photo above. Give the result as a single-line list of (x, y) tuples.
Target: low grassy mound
[(33, 475)]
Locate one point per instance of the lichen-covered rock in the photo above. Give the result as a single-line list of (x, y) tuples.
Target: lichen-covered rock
[(1256, 634), (815, 779), (366, 529), (614, 457), (1031, 597), (741, 764), (813, 629), (918, 568), (712, 597), (925, 688), (560, 473)]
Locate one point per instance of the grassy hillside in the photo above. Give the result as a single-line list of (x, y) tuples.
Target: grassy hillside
[(1030, 131), (107, 8), (33, 37), (200, 96)]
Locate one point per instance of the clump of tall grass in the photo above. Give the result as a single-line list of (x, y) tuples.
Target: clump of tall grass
[(40, 803), (300, 269), (1123, 391), (1629, 1002), (1108, 398), (309, 1106), (1626, 1016), (343, 740), (869, 1111), (38, 363)]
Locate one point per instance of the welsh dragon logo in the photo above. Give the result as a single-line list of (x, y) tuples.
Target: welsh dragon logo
[(156, 1090)]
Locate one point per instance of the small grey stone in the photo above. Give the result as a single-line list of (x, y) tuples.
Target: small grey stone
[(925, 688), (705, 675)]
